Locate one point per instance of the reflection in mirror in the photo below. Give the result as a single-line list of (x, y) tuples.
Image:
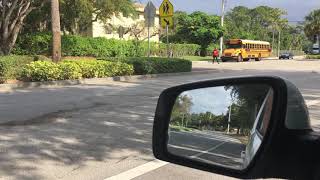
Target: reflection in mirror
[(220, 125)]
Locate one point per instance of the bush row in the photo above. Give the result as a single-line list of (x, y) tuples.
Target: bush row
[(29, 68), (68, 70), (40, 43), (153, 65)]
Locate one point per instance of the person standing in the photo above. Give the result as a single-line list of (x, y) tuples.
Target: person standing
[(215, 55)]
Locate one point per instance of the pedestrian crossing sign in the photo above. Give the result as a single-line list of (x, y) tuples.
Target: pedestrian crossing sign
[(166, 9)]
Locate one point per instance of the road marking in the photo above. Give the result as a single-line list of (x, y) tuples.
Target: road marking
[(206, 151), (138, 171), (312, 102), (209, 153), (150, 166)]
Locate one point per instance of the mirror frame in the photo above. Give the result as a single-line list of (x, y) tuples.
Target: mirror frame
[(256, 166)]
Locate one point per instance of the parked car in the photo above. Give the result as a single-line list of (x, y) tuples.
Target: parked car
[(286, 56)]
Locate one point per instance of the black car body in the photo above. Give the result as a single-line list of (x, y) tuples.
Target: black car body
[(286, 56)]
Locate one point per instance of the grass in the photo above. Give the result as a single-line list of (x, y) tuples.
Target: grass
[(197, 58), (313, 56), (180, 128)]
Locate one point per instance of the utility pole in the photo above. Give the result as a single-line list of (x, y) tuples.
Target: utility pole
[(229, 120), (279, 42), (56, 39), (222, 23), (273, 40)]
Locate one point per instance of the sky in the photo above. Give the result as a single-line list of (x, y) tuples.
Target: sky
[(297, 9), (213, 99)]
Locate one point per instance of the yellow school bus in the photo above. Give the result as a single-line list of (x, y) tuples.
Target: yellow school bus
[(244, 50)]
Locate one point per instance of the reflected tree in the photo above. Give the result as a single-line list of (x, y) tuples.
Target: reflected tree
[(181, 110), (247, 100)]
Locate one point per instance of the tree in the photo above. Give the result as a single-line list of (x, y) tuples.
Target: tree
[(198, 28), (78, 15), (13, 14), (256, 23), (312, 24)]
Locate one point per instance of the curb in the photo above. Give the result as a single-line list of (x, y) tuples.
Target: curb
[(25, 85)]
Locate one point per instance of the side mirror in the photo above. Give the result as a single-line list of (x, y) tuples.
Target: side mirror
[(233, 127)]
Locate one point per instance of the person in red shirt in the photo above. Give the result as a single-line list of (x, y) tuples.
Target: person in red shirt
[(215, 55)]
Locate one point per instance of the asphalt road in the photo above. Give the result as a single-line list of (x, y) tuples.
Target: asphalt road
[(103, 130), (210, 147)]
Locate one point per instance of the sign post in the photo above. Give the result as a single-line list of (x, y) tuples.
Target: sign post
[(149, 15), (166, 15)]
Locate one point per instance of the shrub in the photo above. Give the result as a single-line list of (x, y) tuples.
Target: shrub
[(11, 66), (118, 68), (40, 43), (69, 70), (98, 69), (155, 65), (41, 71), (90, 69)]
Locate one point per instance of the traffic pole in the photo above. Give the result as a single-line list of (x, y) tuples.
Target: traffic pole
[(149, 47), (167, 33)]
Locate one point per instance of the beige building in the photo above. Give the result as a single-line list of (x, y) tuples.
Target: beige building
[(126, 28)]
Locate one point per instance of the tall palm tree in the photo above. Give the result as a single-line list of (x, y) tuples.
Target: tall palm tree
[(312, 24)]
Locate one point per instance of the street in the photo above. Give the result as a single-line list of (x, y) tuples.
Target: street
[(104, 130)]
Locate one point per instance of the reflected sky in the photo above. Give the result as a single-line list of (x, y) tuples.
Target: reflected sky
[(213, 99)]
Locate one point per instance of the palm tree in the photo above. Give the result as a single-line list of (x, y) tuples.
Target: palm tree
[(312, 24)]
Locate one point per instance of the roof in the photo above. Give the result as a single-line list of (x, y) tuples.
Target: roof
[(246, 41)]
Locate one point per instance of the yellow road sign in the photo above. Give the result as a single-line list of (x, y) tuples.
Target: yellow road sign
[(166, 9), (166, 21)]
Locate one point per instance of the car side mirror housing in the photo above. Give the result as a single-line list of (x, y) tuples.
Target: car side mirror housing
[(234, 127)]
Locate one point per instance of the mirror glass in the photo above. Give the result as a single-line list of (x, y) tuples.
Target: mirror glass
[(220, 125)]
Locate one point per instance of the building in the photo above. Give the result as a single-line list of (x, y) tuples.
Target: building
[(126, 28)]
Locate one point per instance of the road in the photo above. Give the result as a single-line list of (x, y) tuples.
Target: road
[(103, 130), (210, 147)]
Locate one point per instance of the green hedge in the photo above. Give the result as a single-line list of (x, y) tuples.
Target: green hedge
[(11, 66), (155, 65), (40, 43), (313, 56), (49, 71)]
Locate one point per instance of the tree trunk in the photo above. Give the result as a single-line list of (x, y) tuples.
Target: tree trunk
[(56, 31)]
